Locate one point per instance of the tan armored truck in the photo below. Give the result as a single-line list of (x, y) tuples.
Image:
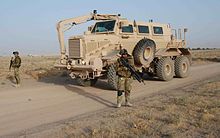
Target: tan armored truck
[(158, 50)]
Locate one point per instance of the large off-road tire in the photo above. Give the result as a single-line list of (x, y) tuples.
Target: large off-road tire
[(165, 69), (86, 82), (112, 77), (144, 52), (182, 67)]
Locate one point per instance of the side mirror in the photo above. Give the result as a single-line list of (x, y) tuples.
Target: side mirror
[(94, 11), (123, 23), (185, 30)]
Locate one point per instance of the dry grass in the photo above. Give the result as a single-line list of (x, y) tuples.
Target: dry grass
[(191, 112), (32, 67), (205, 56)]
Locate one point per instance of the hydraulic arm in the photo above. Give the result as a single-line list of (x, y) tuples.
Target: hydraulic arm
[(67, 24)]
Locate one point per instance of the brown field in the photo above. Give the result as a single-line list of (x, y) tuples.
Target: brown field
[(39, 66), (205, 56), (32, 67)]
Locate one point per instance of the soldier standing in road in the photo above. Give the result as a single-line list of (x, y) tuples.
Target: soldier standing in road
[(124, 80), (15, 63)]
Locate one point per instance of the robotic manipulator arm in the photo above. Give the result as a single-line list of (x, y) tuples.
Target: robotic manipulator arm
[(67, 24)]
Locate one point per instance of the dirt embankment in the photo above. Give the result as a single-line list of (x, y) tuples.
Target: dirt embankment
[(191, 111)]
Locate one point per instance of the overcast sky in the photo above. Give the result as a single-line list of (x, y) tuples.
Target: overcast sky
[(30, 26)]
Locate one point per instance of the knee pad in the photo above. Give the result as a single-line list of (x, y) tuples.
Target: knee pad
[(120, 93)]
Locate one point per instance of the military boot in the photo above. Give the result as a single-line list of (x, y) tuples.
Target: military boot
[(16, 85), (128, 104), (119, 101), (127, 99), (119, 98)]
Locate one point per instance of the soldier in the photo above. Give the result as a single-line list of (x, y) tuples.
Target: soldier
[(124, 80), (15, 63)]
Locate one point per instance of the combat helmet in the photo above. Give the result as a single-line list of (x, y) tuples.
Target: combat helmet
[(123, 52)]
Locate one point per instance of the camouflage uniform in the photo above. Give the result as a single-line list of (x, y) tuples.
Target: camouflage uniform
[(16, 63), (124, 80)]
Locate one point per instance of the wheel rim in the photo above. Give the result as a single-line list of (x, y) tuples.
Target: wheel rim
[(184, 67), (168, 69), (147, 53)]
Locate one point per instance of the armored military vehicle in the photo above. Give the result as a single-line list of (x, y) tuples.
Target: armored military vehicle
[(158, 50)]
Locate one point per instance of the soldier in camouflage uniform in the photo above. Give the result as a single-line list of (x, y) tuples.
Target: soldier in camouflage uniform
[(124, 79), (15, 64)]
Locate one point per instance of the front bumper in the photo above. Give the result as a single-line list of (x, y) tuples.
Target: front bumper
[(88, 68)]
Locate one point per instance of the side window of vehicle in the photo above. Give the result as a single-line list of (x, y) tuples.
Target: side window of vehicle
[(158, 30), (127, 29), (143, 29)]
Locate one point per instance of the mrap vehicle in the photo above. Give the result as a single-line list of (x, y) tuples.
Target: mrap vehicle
[(157, 49)]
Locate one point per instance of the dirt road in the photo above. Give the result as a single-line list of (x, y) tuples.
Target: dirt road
[(37, 103)]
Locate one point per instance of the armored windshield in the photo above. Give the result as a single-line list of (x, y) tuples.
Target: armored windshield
[(107, 26)]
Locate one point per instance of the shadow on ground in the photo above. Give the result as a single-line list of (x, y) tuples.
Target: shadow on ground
[(89, 95), (71, 85), (60, 79), (11, 78)]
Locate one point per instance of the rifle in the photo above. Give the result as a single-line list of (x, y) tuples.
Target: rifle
[(11, 62), (132, 70)]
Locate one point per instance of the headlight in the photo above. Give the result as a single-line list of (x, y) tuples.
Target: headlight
[(68, 66), (83, 62)]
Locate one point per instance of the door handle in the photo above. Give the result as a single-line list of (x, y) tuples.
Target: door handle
[(125, 36)]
